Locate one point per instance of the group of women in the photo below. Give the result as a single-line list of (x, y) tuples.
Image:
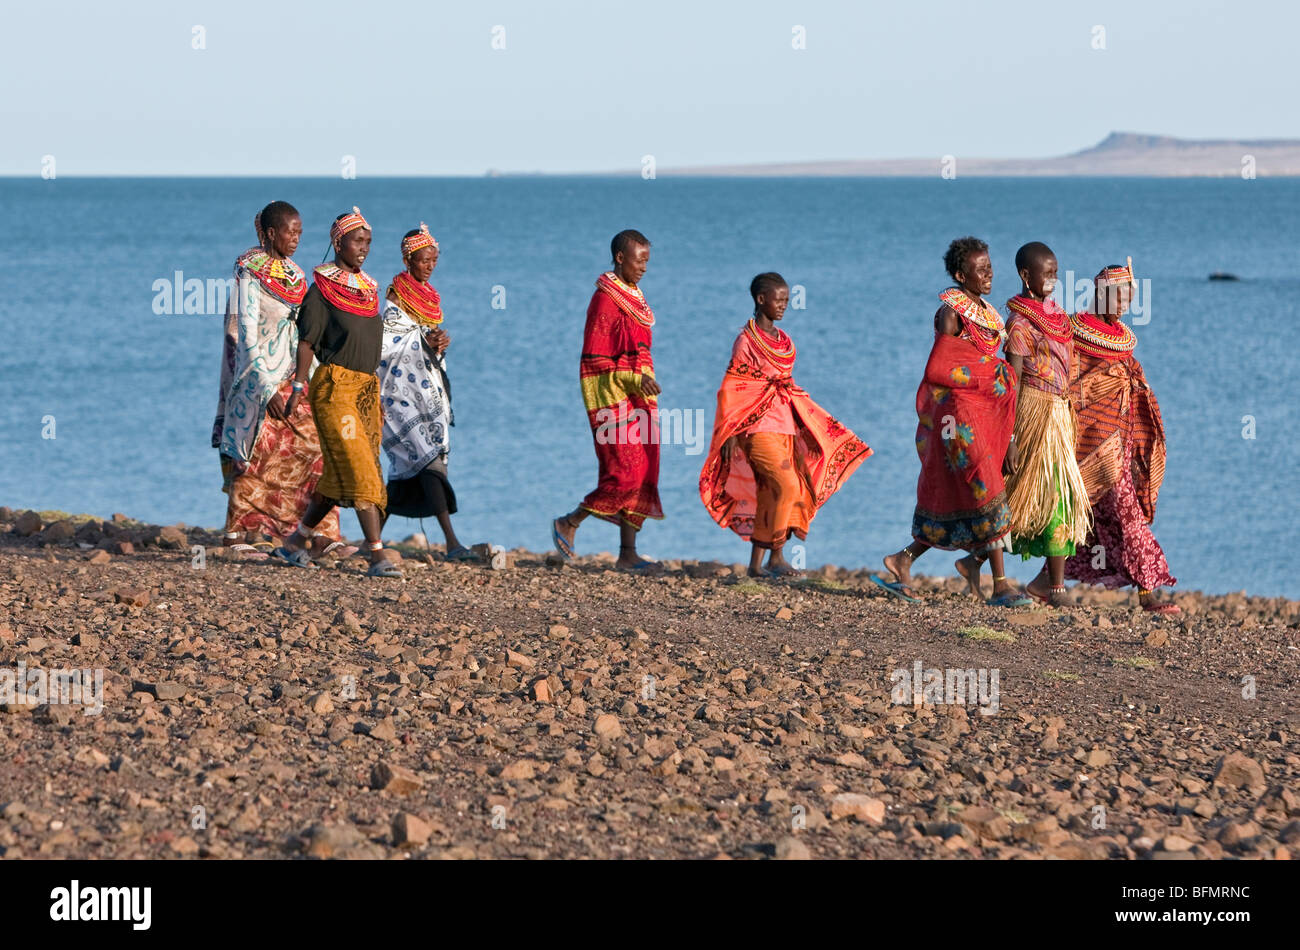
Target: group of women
[(1054, 450), (316, 379)]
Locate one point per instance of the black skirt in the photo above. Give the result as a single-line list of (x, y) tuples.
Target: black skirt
[(425, 495)]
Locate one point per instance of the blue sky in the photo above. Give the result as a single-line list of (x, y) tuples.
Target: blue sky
[(292, 88)]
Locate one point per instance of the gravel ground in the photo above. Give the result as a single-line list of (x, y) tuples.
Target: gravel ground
[(251, 710)]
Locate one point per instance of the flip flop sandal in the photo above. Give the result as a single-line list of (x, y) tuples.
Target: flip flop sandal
[(460, 553), (1163, 608), (1048, 599), (561, 545), (645, 568), (899, 590), (298, 558), (1011, 598), (385, 569)]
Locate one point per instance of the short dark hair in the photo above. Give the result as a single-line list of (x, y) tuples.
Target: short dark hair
[(1033, 251), (768, 280), (625, 239), (959, 252), (276, 214)]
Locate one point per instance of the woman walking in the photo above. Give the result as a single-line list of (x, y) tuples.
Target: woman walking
[(776, 456), (1121, 448), (339, 326), (966, 409), (620, 393), (416, 394), (270, 459)]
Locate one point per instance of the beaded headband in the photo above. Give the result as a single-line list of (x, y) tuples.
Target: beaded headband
[(416, 241), (349, 222), (1116, 275)]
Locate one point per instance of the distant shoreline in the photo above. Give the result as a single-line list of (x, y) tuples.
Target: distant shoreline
[(1119, 155)]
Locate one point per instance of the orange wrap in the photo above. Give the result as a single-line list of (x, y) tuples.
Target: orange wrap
[(824, 453)]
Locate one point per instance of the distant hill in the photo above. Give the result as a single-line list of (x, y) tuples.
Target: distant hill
[(1119, 154)]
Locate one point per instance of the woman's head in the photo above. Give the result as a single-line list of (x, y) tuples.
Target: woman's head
[(631, 253), (1113, 288), (420, 252), (280, 228), (967, 262), (1036, 265), (350, 234), (771, 295)]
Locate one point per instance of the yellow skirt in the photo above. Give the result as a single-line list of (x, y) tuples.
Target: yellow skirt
[(345, 405), (1047, 485)]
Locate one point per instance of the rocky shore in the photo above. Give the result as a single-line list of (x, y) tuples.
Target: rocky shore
[(539, 710)]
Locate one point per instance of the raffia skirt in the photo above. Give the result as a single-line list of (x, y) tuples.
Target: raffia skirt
[(1050, 513)]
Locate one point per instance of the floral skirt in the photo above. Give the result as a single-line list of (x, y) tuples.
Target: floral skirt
[(1121, 550)]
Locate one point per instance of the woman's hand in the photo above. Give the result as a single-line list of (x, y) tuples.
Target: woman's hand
[(291, 404), (276, 407), (648, 385), (1012, 460), (438, 340), (727, 449)]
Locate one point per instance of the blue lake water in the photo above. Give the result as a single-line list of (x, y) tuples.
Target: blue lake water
[(132, 391)]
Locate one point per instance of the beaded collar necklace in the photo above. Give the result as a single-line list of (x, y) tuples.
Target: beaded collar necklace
[(352, 292), (1044, 314), (781, 353), (981, 320), (417, 298), (280, 276), (628, 298), (1096, 337)]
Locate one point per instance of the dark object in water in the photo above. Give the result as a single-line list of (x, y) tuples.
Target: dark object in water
[(1223, 275)]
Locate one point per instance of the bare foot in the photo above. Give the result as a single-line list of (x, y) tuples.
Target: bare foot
[(900, 565), (782, 569), (969, 568)]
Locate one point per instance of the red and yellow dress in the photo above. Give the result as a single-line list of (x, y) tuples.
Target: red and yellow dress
[(1121, 455), (965, 408), (624, 423), (791, 455)]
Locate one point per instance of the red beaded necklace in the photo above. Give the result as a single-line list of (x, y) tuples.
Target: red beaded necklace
[(781, 353), (1096, 337), (352, 292), (1044, 314), (629, 299), (418, 299)]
